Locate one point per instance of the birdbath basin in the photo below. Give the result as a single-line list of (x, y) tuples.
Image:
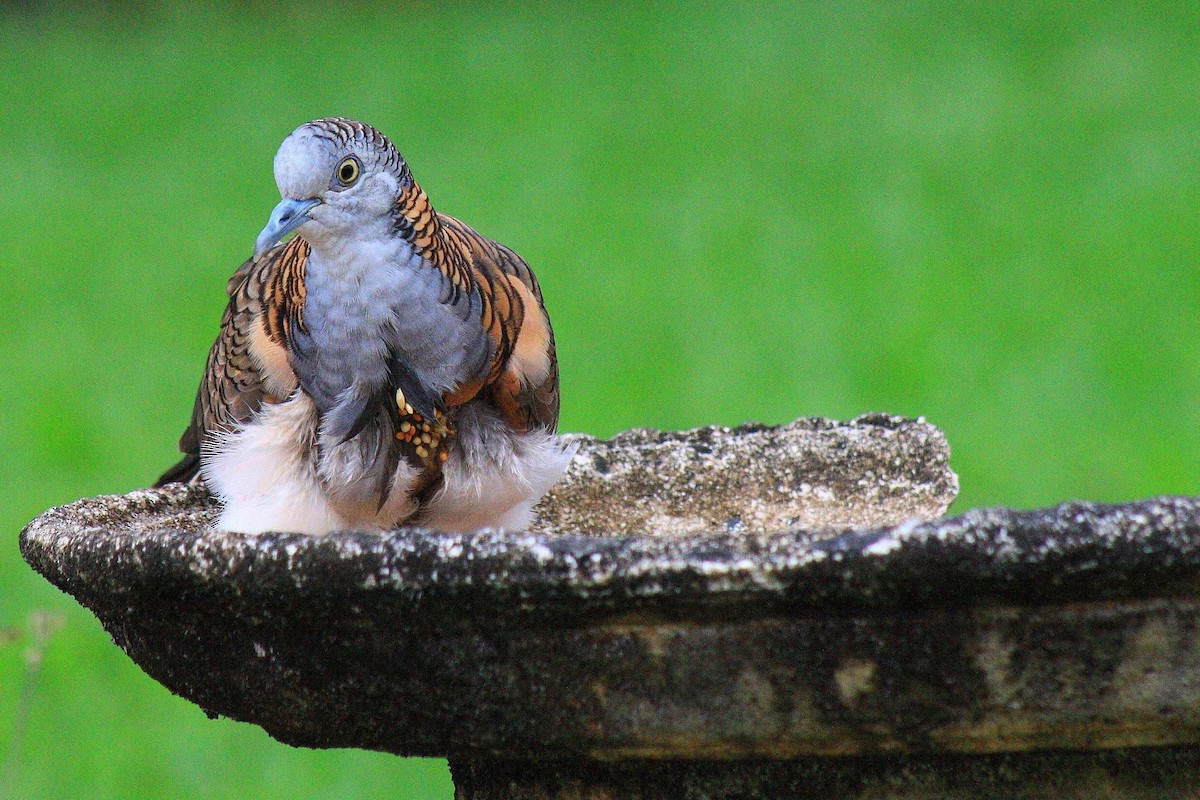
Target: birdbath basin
[(718, 613)]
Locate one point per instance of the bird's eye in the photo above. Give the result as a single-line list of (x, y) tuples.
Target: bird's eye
[(347, 171)]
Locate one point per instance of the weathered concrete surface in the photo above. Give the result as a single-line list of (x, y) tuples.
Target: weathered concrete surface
[(726, 662), (1070, 627), (812, 473)]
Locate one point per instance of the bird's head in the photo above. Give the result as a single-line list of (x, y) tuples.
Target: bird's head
[(337, 177)]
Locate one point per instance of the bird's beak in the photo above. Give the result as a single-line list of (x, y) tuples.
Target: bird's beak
[(285, 218)]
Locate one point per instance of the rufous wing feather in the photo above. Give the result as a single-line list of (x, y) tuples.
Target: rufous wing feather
[(247, 364), (522, 378)]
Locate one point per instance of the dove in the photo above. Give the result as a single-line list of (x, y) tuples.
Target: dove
[(386, 366)]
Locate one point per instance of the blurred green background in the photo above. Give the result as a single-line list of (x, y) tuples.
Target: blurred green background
[(985, 216)]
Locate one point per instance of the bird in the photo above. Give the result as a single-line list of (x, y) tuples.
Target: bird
[(385, 366)]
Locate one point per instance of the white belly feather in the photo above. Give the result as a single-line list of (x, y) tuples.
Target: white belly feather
[(267, 478), (495, 476)]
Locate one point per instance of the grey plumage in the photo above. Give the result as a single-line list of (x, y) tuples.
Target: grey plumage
[(387, 347)]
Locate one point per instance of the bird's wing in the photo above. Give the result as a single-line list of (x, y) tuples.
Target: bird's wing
[(521, 376), (521, 379), (248, 363)]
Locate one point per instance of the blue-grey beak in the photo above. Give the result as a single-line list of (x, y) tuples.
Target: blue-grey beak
[(285, 218)]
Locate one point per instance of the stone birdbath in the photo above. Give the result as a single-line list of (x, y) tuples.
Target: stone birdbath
[(747, 612)]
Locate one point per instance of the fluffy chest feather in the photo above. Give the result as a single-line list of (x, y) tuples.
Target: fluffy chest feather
[(370, 304)]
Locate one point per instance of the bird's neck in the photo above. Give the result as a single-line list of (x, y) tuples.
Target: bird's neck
[(418, 222), (353, 261), (415, 218)]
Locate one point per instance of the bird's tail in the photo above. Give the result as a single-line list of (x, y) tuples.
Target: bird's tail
[(187, 469)]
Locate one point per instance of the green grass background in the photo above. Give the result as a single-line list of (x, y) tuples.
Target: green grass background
[(985, 216)]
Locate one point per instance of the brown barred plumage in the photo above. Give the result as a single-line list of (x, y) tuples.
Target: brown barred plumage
[(468, 259), (248, 365), (284, 292), (387, 345), (269, 291)]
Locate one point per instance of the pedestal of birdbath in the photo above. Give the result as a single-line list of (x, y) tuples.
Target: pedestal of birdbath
[(755, 611)]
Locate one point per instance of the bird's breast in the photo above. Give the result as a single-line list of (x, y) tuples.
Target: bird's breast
[(369, 303)]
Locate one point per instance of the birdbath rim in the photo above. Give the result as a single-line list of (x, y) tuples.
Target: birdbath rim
[(1070, 552), (995, 630)]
